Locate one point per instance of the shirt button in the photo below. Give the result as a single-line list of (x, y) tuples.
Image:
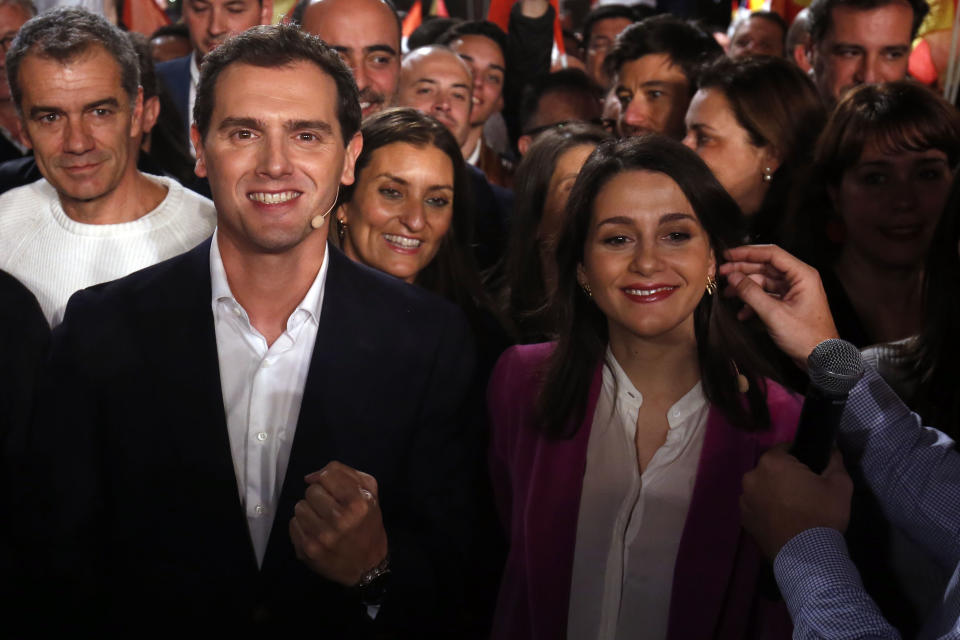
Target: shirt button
[(237, 312), (265, 364), (262, 436), (676, 413), (259, 509)]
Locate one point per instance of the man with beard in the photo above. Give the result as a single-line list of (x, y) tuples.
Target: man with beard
[(366, 34)]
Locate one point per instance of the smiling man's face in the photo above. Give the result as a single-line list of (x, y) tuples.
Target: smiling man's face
[(78, 120)]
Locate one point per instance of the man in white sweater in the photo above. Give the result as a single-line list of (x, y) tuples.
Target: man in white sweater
[(93, 217)]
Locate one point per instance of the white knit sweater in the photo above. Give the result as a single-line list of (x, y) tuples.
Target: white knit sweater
[(55, 256)]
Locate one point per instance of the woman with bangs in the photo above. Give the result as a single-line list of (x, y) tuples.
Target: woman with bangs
[(882, 172), (617, 451)]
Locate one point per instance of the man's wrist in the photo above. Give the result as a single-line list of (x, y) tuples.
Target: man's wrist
[(372, 586)]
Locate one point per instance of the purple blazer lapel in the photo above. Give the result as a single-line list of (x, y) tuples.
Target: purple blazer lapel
[(553, 504), (710, 545)]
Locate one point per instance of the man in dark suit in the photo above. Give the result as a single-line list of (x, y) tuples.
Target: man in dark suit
[(209, 23), (258, 433)]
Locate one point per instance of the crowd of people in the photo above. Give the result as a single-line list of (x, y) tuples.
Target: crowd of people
[(312, 326)]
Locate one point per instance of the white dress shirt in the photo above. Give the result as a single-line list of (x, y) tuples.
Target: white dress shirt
[(192, 99), (262, 391), (629, 524)]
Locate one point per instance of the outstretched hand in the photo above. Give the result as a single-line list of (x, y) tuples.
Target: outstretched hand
[(785, 293)]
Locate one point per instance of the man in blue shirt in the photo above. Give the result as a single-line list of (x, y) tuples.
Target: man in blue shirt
[(798, 517)]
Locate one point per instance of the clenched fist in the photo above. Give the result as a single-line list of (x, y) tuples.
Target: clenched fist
[(337, 529)]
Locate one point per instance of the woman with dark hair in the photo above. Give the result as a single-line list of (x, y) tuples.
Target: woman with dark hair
[(617, 452), (923, 369), (408, 212), (881, 177), (755, 122), (543, 182)]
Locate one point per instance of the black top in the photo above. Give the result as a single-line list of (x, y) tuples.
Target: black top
[(849, 325), (136, 520)]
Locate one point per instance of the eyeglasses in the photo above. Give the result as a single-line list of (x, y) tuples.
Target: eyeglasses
[(534, 132)]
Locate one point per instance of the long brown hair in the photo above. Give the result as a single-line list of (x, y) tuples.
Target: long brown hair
[(896, 116), (583, 333), (778, 106)]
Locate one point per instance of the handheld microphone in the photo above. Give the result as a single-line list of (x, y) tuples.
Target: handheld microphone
[(834, 367)]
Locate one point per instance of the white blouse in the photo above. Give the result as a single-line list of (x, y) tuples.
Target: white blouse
[(629, 524)]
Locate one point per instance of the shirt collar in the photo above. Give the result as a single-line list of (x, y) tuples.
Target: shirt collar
[(312, 303), (194, 70), (621, 388)]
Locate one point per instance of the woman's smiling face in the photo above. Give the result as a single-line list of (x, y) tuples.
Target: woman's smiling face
[(401, 209), (647, 257)]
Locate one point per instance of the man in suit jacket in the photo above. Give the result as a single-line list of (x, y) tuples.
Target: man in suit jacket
[(209, 23), (258, 433)]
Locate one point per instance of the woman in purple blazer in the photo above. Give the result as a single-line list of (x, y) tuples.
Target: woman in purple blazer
[(617, 452)]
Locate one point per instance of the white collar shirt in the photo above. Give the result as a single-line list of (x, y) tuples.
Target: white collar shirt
[(194, 81), (262, 391), (629, 524)]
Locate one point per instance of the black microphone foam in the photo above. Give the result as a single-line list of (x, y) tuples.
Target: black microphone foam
[(834, 367)]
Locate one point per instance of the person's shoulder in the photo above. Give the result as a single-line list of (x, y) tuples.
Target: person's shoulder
[(159, 283), (187, 216), (390, 296), (17, 303), (521, 366), (29, 194), (784, 406), (24, 208), (186, 203), (174, 67)]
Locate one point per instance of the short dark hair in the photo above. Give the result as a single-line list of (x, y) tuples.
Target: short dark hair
[(821, 14), (605, 12), (483, 28), (272, 46), (148, 73), (176, 30), (583, 328), (66, 33), (431, 31), (769, 16), (688, 47), (567, 81)]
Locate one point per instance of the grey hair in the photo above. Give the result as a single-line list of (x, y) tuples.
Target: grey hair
[(66, 33)]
